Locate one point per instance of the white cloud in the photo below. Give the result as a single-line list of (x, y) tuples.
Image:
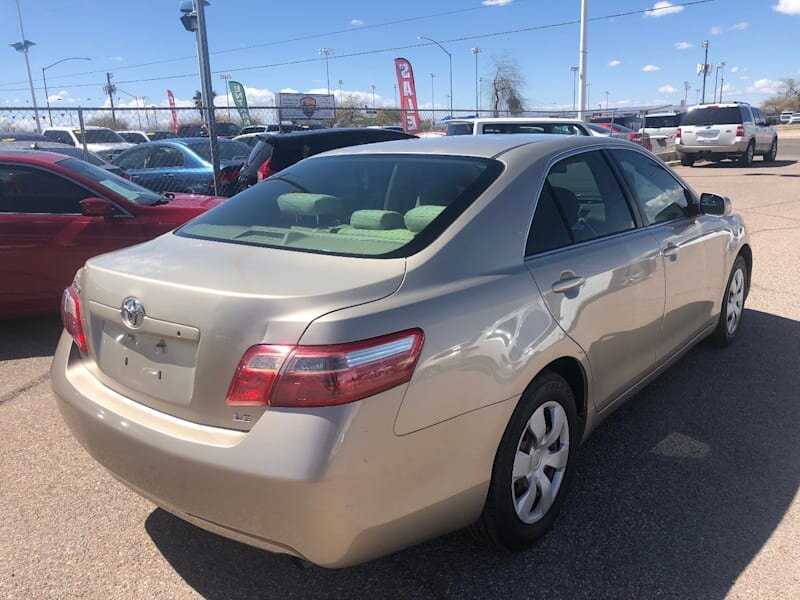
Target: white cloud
[(787, 7), (618, 102), (683, 45), (650, 68), (496, 2), (734, 69), (744, 77), (667, 89), (661, 9), (741, 26), (356, 22), (765, 86), (716, 30), (615, 63)]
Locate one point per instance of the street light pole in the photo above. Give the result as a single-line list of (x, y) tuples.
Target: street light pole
[(44, 80), (433, 98), (705, 70), (450, 58), (327, 53), (607, 95), (476, 51), (23, 47), (687, 85), (583, 93), (574, 86), (721, 72)]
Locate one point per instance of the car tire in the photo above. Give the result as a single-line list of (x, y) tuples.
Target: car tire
[(548, 406), (732, 310), (746, 159), (687, 160), (773, 151)]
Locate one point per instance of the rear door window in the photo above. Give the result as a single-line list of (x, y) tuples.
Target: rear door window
[(133, 159), (30, 190), (459, 129)]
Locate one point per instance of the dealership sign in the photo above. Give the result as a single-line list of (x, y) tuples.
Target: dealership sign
[(306, 107), (408, 95)]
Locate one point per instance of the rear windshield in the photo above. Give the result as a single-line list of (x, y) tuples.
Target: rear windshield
[(662, 121), (713, 115), (459, 129), (119, 185), (160, 135), (99, 136), (228, 150), (357, 205), (557, 128)]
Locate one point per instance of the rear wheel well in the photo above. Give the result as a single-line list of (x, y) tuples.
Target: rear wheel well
[(571, 370)]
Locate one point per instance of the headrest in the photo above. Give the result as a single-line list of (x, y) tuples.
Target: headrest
[(310, 205), (377, 219), (420, 217)]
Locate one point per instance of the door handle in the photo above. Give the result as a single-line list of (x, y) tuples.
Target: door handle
[(169, 175), (671, 250), (569, 283)]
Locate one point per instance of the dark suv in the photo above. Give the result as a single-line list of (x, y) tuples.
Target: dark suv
[(274, 153)]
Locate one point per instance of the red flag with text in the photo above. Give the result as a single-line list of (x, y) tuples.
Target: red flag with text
[(171, 98), (408, 95)]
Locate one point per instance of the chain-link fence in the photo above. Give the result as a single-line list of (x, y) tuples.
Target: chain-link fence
[(181, 120)]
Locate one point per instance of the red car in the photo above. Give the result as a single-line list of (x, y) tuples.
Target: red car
[(57, 211), (642, 139)]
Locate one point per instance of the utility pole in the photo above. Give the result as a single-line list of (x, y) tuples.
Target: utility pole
[(226, 77), (476, 51), (340, 88), (583, 91), (705, 70), (721, 72), (373, 95), (111, 89), (23, 47), (607, 95), (687, 85)]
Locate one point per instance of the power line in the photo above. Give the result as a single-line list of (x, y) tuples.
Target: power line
[(275, 43), (392, 49)]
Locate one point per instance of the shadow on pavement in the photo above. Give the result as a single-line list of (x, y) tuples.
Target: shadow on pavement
[(757, 164), (29, 337), (674, 496)]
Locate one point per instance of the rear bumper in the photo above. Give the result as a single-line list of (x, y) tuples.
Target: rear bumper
[(335, 486), (707, 149)]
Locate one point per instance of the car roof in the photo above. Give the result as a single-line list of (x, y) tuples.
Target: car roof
[(512, 120), (76, 128), (719, 105), (32, 156), (481, 146), (337, 132)]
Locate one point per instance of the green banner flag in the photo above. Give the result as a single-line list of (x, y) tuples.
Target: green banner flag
[(240, 101)]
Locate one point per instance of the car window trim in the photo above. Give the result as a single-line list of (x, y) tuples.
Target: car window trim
[(691, 198), (543, 180), (92, 193)]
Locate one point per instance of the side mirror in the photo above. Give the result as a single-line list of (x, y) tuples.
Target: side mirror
[(712, 204), (97, 207)]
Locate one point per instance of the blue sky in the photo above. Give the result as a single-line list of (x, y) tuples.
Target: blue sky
[(636, 58)]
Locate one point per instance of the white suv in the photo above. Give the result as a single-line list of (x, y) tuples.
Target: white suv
[(717, 131), (103, 141), (472, 126)]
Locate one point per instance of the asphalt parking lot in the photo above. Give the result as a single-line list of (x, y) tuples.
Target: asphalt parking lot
[(689, 491)]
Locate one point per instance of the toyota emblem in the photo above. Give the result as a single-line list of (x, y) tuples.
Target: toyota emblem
[(132, 312)]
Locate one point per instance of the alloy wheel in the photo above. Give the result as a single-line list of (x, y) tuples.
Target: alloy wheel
[(735, 305)]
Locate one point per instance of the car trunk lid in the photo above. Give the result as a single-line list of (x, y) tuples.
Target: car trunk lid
[(203, 304)]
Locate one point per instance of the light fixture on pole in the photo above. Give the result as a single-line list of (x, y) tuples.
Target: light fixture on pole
[(476, 51), (574, 86), (23, 47), (194, 20), (226, 77), (450, 58), (44, 80), (327, 53)]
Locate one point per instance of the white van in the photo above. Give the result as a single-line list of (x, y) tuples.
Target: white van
[(660, 125)]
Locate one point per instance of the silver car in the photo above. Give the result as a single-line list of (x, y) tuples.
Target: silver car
[(385, 343)]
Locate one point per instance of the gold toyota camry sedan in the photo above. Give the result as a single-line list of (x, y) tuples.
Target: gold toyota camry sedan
[(385, 343)]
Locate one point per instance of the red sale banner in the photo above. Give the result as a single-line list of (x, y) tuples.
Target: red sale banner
[(171, 98), (408, 95)]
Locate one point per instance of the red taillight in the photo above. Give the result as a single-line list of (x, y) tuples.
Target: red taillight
[(265, 170), (307, 376), (740, 131), (678, 135), (72, 318)]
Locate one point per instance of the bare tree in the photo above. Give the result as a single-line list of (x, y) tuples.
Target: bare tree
[(506, 85), (348, 112), (787, 98)]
